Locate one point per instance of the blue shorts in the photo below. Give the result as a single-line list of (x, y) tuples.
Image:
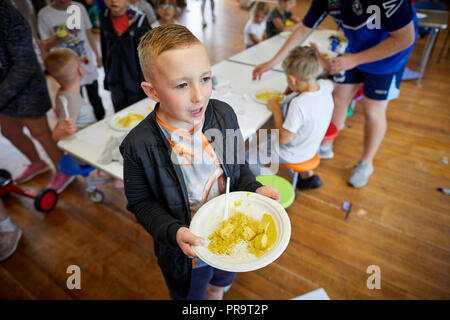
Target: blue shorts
[(203, 275), (376, 86)]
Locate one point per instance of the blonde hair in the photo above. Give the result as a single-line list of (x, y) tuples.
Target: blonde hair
[(260, 7), (62, 64), (303, 63), (161, 39)]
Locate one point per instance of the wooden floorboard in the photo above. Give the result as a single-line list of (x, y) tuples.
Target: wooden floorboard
[(406, 230)]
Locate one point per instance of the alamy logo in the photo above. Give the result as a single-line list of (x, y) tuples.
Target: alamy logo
[(374, 281), (74, 19), (73, 281)]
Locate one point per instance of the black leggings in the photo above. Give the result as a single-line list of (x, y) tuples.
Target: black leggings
[(95, 100)]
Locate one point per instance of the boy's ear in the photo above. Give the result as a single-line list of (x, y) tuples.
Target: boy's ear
[(292, 79), (149, 91)]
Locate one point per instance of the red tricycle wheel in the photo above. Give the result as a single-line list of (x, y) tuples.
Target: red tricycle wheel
[(45, 200)]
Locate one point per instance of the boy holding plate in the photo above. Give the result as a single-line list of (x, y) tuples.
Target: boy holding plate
[(178, 157)]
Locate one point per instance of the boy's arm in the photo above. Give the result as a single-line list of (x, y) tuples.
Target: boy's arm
[(254, 38), (148, 211), (93, 44), (324, 61), (285, 135), (278, 23)]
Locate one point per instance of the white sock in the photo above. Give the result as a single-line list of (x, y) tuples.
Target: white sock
[(7, 225)]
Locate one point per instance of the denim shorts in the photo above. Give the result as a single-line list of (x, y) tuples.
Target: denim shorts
[(203, 275)]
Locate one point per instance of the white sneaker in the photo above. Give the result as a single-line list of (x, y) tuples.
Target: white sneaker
[(361, 174), (326, 153)]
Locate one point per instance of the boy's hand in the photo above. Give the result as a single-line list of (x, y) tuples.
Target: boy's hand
[(186, 239), (69, 126), (261, 68), (269, 192)]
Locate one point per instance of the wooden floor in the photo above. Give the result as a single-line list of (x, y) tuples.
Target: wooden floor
[(406, 231)]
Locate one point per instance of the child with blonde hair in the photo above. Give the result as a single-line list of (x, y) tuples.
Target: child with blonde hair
[(165, 184), (309, 112), (64, 65), (255, 29)]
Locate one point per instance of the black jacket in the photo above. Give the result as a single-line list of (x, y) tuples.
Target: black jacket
[(119, 52), (156, 190)]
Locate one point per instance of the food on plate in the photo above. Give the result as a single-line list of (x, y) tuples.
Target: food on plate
[(130, 120), (265, 96), (259, 236)]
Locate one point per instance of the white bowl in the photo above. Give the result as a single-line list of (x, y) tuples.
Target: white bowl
[(210, 215)]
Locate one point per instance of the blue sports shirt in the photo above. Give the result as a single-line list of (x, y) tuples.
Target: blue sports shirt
[(355, 17)]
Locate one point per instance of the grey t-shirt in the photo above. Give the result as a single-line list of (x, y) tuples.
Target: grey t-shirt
[(202, 171), (79, 109)]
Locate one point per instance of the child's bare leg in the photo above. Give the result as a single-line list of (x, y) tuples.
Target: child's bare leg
[(40, 130), (342, 96), (306, 174), (12, 130), (214, 292)]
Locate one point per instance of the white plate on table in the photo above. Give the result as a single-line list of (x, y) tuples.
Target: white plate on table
[(210, 215), (113, 122)]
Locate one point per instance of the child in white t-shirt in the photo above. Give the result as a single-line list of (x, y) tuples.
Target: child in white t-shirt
[(255, 29), (308, 115)]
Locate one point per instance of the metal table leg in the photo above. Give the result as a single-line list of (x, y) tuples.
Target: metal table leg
[(426, 53), (443, 47)]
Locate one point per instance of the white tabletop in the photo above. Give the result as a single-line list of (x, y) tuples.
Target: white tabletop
[(239, 90), (266, 49), (235, 87), (88, 144)]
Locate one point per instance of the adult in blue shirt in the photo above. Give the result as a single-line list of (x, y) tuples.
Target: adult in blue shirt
[(381, 36)]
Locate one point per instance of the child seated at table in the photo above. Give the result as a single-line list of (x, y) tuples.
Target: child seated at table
[(308, 115), (281, 18), (255, 29), (64, 65), (171, 168), (166, 10)]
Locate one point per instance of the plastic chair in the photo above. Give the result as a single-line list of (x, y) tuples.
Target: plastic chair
[(302, 167), (68, 165), (283, 186), (332, 132)]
